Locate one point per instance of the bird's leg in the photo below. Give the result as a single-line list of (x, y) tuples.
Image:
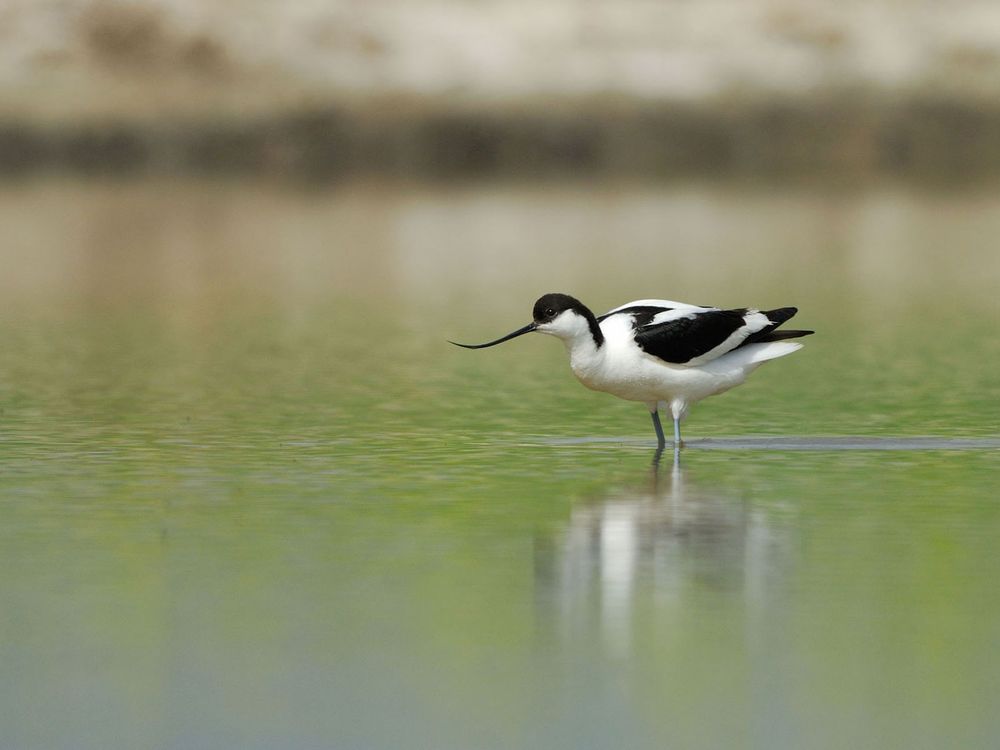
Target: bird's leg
[(661, 441), (678, 409)]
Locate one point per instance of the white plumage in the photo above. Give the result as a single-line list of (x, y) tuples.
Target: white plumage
[(663, 353)]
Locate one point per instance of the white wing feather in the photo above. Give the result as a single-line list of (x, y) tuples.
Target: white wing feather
[(659, 303)]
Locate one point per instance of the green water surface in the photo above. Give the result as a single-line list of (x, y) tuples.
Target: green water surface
[(250, 498)]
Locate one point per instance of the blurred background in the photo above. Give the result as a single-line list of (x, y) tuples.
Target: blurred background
[(449, 88), (251, 498)]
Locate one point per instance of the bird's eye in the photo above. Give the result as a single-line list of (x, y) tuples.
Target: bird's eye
[(549, 311)]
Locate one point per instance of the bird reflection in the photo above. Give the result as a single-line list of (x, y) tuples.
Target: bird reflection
[(662, 541)]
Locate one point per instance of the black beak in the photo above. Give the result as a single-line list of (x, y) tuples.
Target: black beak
[(519, 332)]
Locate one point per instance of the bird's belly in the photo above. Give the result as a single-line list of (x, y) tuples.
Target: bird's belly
[(648, 379)]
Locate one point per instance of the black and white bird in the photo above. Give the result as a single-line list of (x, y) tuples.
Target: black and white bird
[(668, 355)]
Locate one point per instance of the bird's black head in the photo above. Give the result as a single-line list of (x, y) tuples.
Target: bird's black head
[(550, 306)]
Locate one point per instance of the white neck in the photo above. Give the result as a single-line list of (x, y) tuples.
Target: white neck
[(574, 330)]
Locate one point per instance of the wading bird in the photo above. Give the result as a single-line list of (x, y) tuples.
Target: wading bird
[(666, 354)]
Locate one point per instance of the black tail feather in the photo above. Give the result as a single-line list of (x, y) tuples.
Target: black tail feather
[(777, 317), (761, 338)]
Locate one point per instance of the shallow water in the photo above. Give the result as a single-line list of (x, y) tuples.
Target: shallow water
[(251, 498)]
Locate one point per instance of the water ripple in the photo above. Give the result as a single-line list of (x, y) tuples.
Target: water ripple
[(806, 443)]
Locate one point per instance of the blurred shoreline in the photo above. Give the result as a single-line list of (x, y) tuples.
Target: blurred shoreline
[(841, 135)]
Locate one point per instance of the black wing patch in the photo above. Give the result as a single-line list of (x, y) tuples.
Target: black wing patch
[(681, 340)]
